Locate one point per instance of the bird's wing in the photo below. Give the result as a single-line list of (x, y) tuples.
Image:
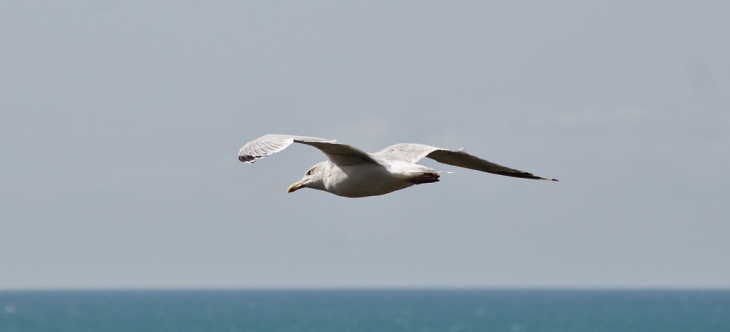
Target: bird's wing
[(340, 154), (412, 152)]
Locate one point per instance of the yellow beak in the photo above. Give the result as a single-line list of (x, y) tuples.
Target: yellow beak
[(294, 187)]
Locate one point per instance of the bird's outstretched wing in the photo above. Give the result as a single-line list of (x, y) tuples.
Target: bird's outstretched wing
[(340, 154), (412, 152)]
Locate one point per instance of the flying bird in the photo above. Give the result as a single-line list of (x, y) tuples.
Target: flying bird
[(350, 172)]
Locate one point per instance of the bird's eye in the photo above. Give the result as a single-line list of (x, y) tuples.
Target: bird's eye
[(309, 172)]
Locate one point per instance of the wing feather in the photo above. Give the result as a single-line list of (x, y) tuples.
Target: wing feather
[(412, 152), (340, 154)]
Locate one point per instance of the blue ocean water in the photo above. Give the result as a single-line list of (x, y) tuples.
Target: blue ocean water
[(366, 310)]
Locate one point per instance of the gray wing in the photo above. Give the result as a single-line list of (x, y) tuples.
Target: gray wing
[(340, 154), (412, 152)]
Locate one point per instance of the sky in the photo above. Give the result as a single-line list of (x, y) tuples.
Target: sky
[(120, 124)]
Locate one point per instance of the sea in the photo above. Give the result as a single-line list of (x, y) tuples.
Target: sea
[(371, 310)]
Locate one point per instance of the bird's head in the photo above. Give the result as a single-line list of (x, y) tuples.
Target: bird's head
[(312, 179)]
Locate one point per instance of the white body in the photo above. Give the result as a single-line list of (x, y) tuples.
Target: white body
[(370, 179)]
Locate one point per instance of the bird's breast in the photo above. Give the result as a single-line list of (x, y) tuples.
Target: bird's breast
[(362, 181)]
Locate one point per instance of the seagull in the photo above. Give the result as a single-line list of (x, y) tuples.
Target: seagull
[(350, 172)]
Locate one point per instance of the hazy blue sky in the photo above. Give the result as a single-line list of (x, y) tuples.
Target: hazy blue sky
[(120, 123)]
